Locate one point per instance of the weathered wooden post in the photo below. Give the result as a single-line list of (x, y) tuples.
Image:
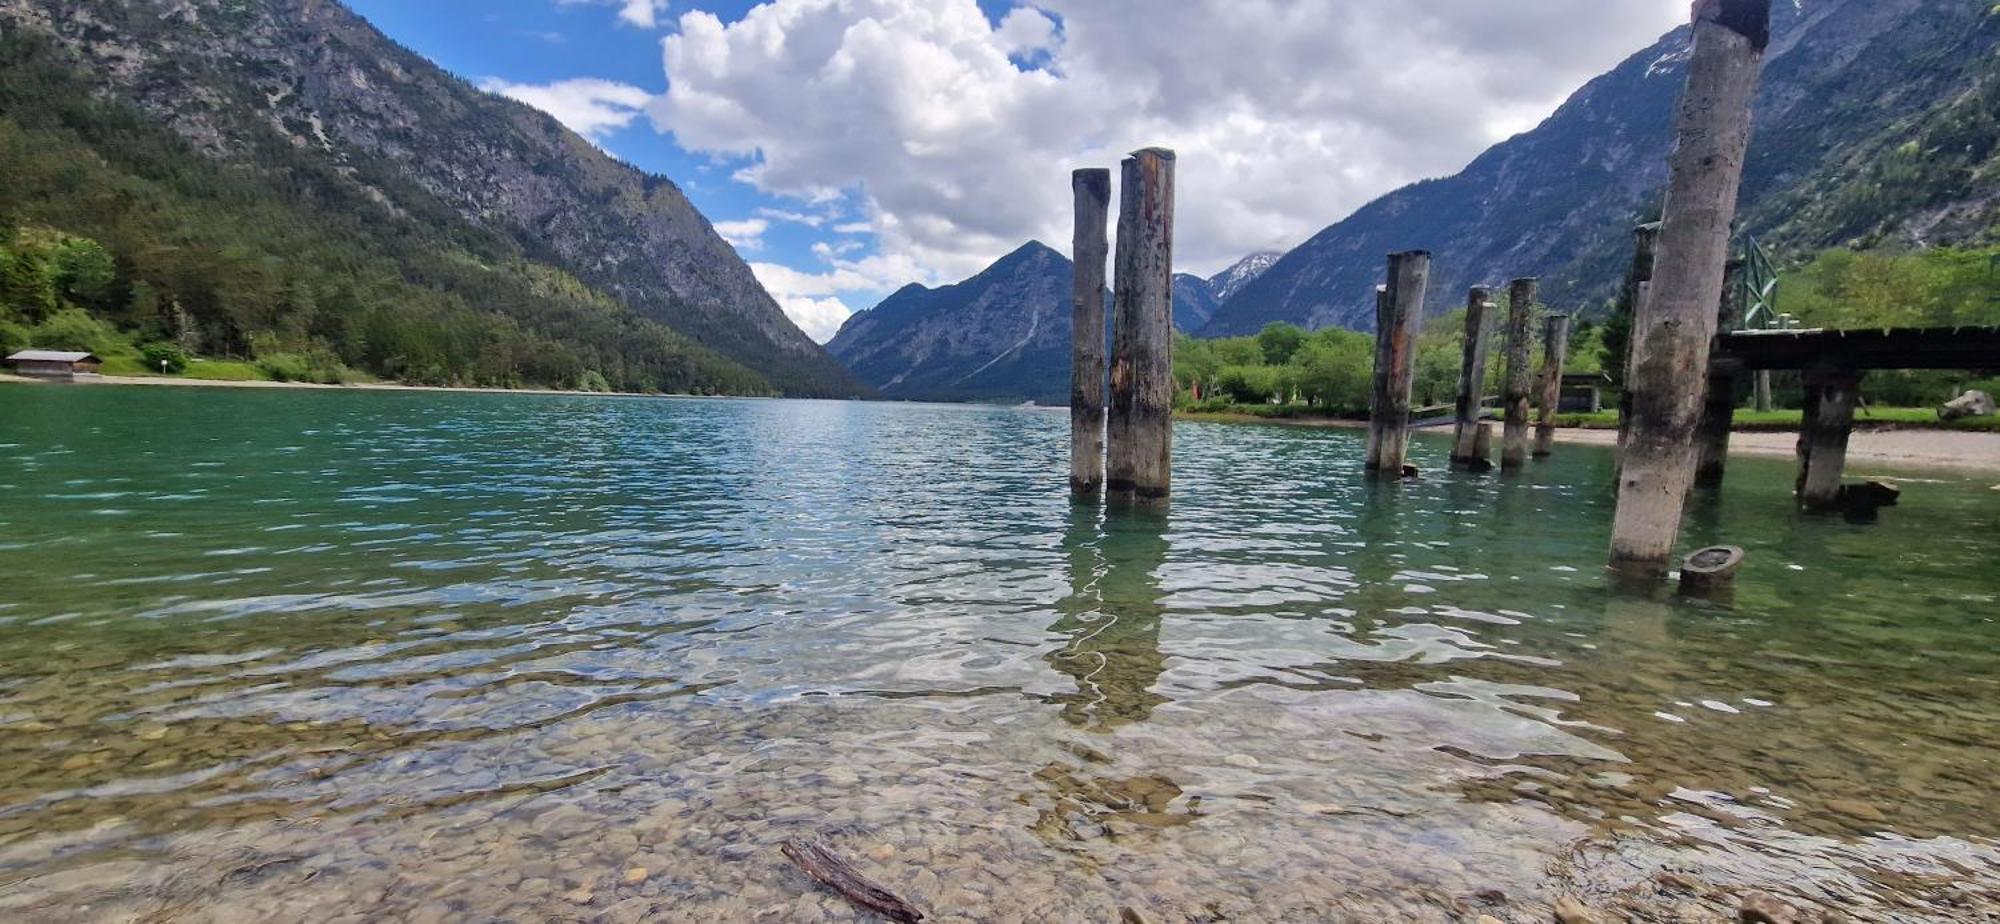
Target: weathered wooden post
[(1638, 282), (1520, 376), (1378, 380), (1472, 377), (1831, 393), (1399, 312), (1672, 329), (1718, 411), (1142, 362), (1555, 353), (1092, 187)]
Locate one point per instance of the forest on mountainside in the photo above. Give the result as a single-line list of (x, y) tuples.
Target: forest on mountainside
[(116, 234)]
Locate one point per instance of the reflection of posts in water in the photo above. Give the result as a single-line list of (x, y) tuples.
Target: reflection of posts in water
[(1377, 538), (1111, 619)]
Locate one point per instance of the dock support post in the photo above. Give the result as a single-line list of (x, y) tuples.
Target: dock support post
[(1399, 313), (1092, 187), (1763, 389), (1520, 377), (1672, 331), (1142, 363), (1638, 285), (1472, 378), (1555, 354), (1831, 394), (1718, 412)]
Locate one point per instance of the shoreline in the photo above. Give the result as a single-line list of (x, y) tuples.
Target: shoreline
[(1963, 451), (8, 378)]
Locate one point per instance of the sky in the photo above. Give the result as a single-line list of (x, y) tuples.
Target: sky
[(850, 147)]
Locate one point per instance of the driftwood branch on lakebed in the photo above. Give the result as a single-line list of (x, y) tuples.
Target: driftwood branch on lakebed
[(838, 875)]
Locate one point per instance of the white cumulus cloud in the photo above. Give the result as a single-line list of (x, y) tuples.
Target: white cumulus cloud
[(590, 107), (820, 318), (747, 234), (956, 135), (644, 14)]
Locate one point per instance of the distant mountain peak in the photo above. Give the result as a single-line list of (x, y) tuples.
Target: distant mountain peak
[(1232, 280), (1002, 334)]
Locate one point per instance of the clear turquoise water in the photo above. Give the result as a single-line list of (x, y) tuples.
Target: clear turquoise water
[(314, 655)]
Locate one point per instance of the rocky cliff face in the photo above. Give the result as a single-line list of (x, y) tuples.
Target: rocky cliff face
[(422, 144), (1843, 78)]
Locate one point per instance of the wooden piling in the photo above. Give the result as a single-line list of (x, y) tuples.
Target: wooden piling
[(1142, 373), (1520, 376), (1555, 353), (1090, 247), (1472, 377), (1831, 394), (1718, 412), (1672, 330), (1378, 380), (1638, 285), (1399, 312)]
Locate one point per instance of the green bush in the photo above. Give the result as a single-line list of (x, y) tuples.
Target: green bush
[(318, 366), (13, 337), (72, 329), (163, 357)]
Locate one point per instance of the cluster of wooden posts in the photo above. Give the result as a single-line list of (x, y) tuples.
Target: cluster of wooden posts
[(1136, 432), (1678, 399), (1399, 313), (1674, 325)]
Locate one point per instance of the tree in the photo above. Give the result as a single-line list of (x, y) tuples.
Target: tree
[(25, 286), (1278, 341), (1334, 370)]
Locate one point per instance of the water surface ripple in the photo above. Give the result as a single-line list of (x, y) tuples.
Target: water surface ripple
[(337, 656)]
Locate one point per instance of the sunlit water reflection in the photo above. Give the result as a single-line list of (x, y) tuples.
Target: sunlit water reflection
[(366, 656)]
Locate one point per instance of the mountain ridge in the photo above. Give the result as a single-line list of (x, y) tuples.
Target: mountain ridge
[(428, 147), (1559, 201), (1002, 334)]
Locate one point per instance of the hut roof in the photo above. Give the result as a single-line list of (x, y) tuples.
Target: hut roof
[(51, 356)]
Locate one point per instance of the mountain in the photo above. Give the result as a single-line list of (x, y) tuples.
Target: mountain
[(1874, 124), (1194, 302), (1002, 335), (301, 105), (1226, 284)]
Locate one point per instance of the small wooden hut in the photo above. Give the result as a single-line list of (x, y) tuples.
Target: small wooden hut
[(60, 365)]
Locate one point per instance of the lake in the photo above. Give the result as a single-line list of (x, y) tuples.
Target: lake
[(300, 655)]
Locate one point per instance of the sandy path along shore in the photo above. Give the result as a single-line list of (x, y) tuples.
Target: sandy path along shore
[(1956, 450)]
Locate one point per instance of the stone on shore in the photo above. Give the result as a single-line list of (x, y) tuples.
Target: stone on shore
[(1971, 404)]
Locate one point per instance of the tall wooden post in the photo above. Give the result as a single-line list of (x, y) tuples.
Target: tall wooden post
[(1638, 285), (1718, 412), (1555, 353), (1472, 377), (1090, 246), (1142, 362), (1378, 380), (1399, 313), (1520, 376), (1672, 330), (1831, 394)]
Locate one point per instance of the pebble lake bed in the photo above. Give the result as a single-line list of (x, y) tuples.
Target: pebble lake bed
[(301, 655)]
